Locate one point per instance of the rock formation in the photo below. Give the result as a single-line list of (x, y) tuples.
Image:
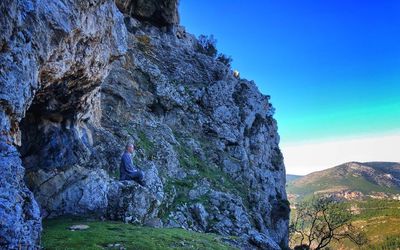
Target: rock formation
[(80, 80), (53, 56)]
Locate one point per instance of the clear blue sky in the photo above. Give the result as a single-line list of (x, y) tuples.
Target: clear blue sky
[(332, 67)]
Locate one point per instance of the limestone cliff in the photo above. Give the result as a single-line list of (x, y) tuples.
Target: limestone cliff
[(80, 80), (52, 56)]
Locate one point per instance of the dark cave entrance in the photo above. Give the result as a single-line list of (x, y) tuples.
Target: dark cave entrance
[(54, 132)]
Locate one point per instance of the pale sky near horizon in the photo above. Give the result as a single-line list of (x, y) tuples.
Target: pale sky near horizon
[(304, 158), (332, 69)]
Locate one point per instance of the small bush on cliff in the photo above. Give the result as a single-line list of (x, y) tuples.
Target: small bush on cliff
[(227, 60), (145, 144), (277, 159), (207, 45), (144, 43), (145, 40)]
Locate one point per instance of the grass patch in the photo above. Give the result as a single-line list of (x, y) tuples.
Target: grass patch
[(382, 232), (145, 144), (375, 208), (182, 188), (391, 242), (115, 174), (101, 233), (217, 178), (209, 171)]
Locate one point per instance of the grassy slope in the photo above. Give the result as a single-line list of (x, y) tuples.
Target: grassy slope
[(380, 220), (383, 232), (101, 233)]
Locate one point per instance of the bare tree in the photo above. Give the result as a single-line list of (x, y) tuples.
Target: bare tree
[(319, 221)]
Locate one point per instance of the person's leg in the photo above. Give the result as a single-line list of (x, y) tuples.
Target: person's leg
[(139, 177)]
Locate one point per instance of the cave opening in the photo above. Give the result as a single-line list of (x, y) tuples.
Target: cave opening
[(56, 142), (55, 131)]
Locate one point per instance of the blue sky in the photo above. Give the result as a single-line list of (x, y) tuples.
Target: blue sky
[(332, 67)]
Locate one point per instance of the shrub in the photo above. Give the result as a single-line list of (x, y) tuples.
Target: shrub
[(207, 45), (145, 40), (277, 159), (227, 60)]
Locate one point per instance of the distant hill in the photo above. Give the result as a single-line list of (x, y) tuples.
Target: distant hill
[(352, 180), (292, 177)]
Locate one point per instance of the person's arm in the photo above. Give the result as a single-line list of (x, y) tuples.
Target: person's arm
[(129, 168)]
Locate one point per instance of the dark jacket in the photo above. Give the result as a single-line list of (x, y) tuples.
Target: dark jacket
[(127, 169)]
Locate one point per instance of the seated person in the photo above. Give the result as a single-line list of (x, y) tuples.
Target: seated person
[(127, 170)]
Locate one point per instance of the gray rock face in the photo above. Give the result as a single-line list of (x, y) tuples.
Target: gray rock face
[(83, 191), (53, 56), (20, 216), (211, 136), (75, 191), (206, 140)]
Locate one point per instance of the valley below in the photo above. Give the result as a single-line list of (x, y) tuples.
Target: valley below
[(371, 191)]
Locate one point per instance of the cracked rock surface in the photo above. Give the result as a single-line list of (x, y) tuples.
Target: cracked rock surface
[(53, 56)]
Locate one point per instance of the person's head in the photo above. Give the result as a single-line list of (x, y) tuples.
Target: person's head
[(129, 147)]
